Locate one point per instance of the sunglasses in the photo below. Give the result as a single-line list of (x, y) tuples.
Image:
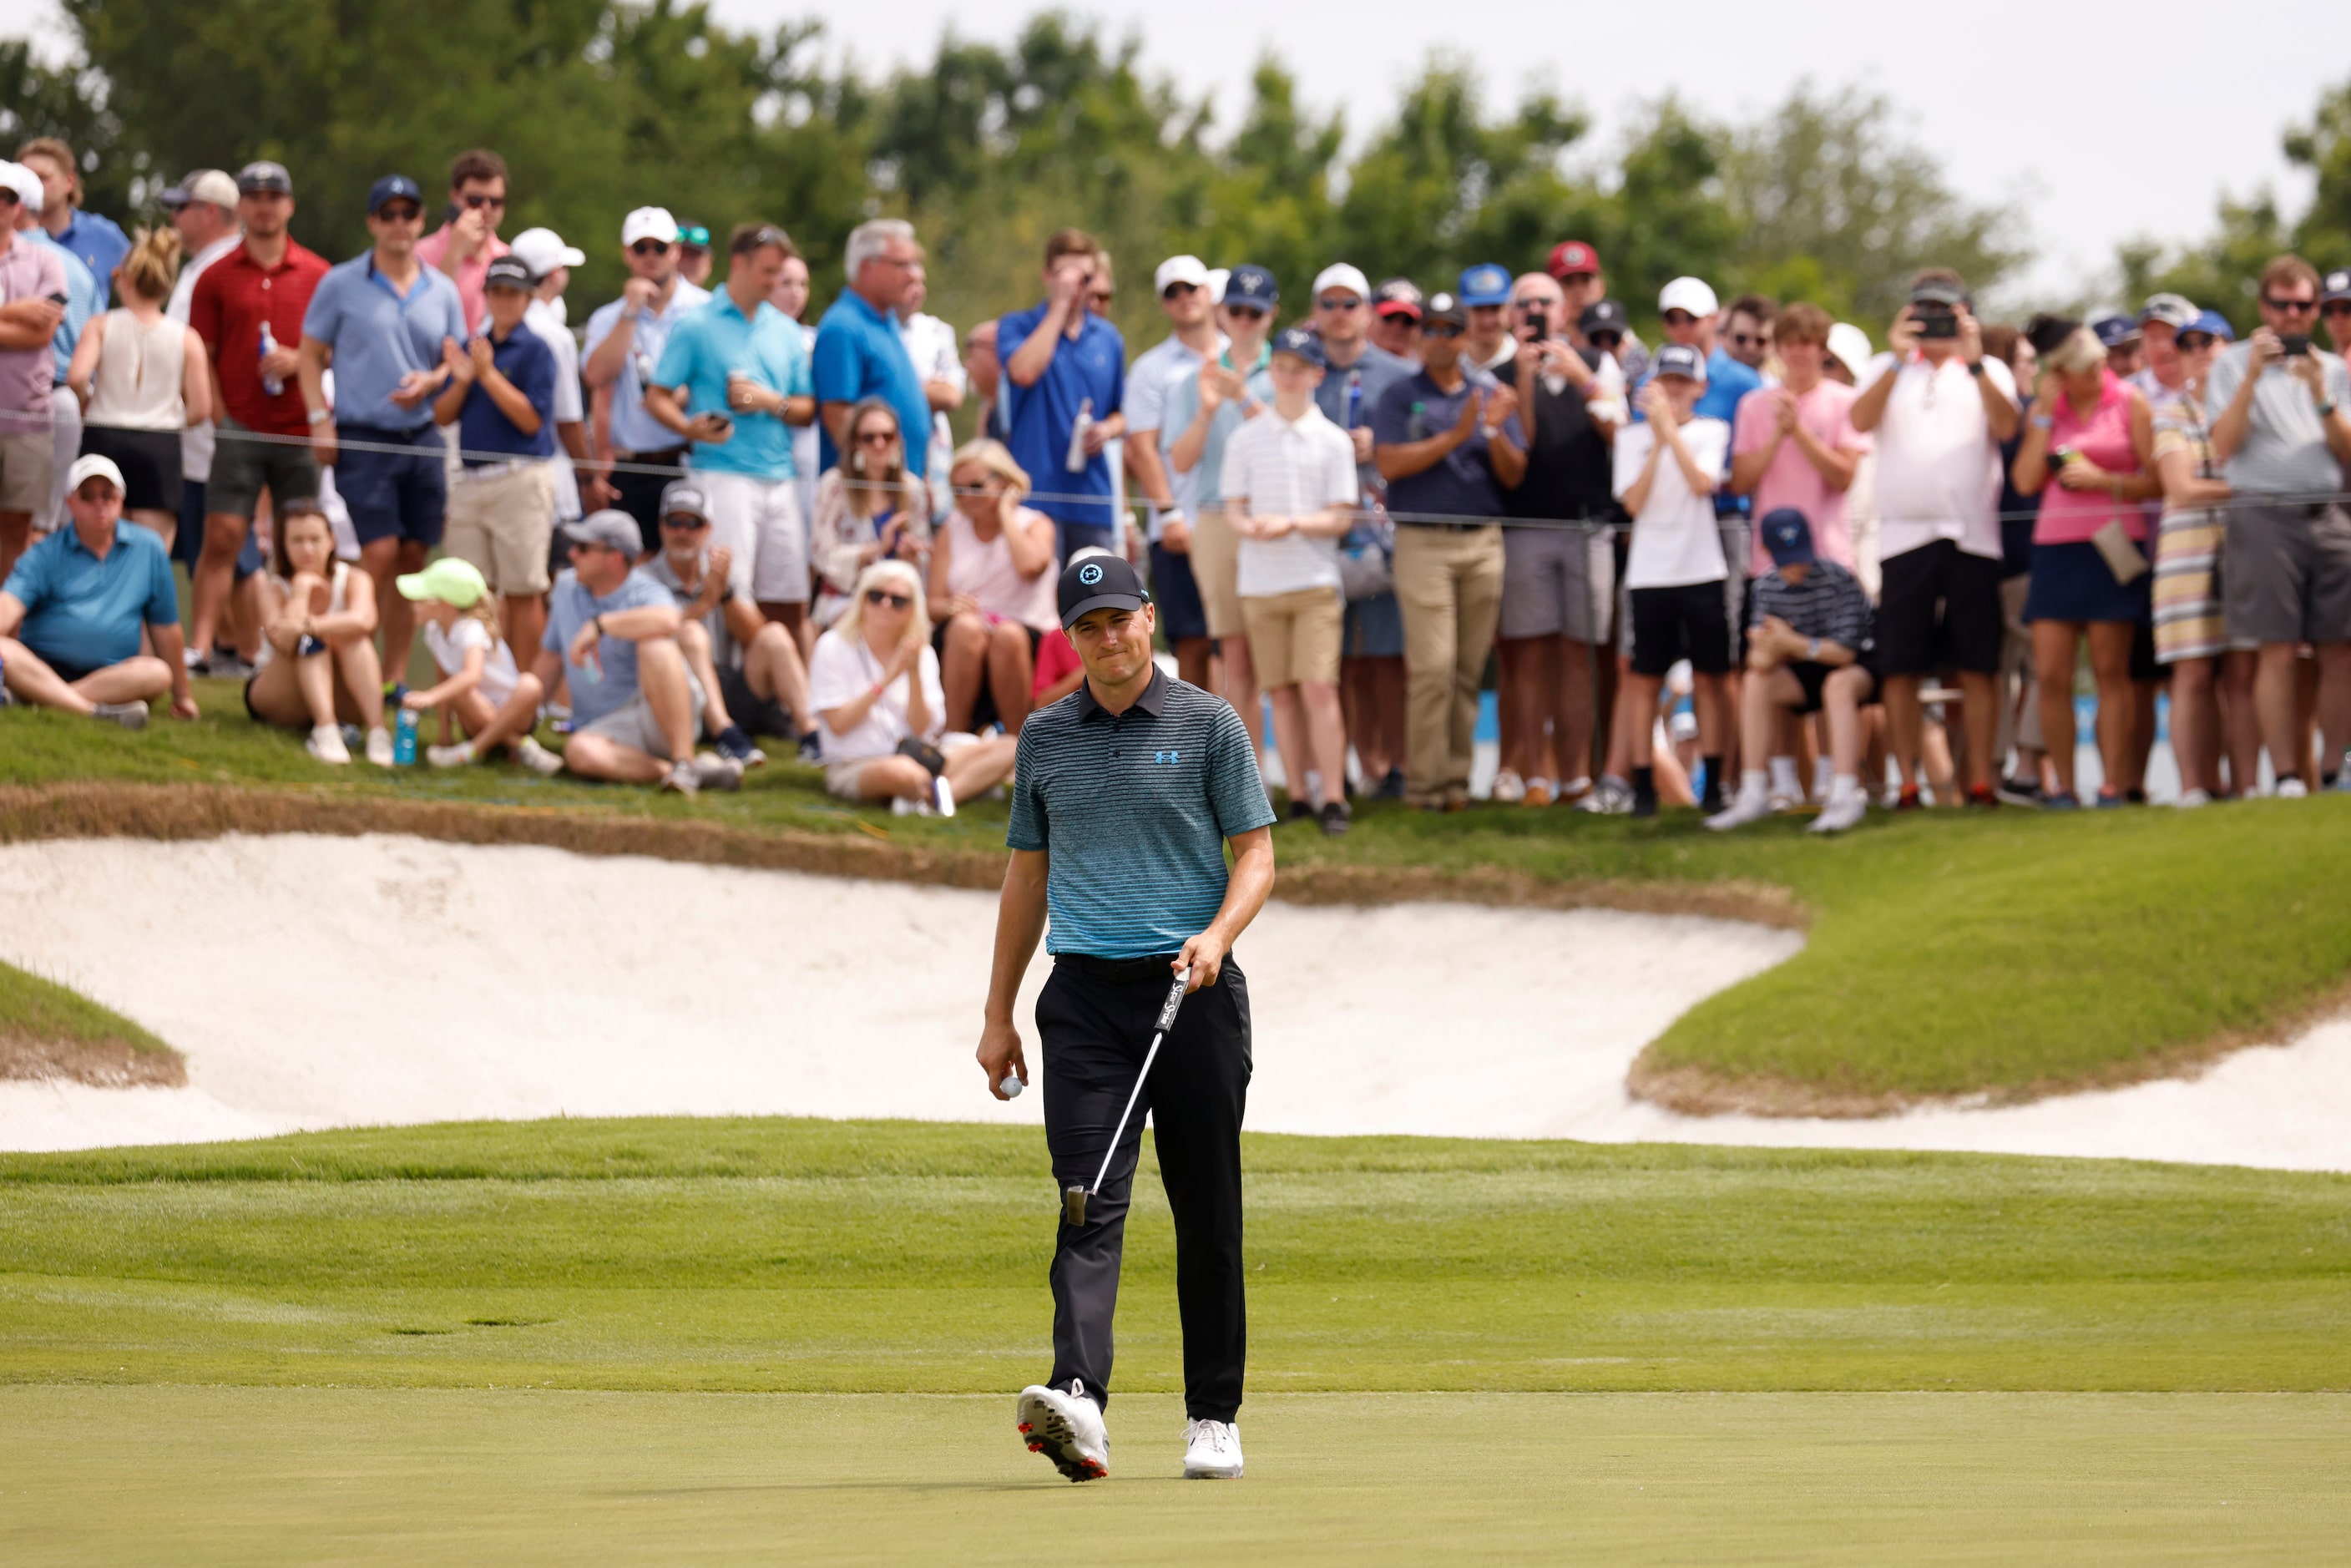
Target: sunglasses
[(478, 201), (1101, 295), (650, 247), (2289, 306), (1606, 340), (1339, 302), (1679, 319), (2335, 308), (400, 213), (2188, 342), (686, 522), (1441, 330), (1179, 292), (878, 597), (876, 438), (1251, 311), (1749, 340)]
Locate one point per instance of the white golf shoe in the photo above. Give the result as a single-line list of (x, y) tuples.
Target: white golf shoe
[(1749, 806), (1842, 812), (1212, 1451), (1067, 1428)]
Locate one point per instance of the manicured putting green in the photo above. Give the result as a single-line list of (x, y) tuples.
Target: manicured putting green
[(239, 1476)]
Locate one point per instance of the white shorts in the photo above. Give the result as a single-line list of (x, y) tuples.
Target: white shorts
[(761, 522)]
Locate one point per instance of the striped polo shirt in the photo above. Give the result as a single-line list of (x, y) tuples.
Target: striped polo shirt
[(1829, 604), (1135, 809)]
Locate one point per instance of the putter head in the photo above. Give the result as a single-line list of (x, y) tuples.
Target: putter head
[(1073, 1206)]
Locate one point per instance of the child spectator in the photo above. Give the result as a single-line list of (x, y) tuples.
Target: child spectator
[(1683, 601), (319, 662), (479, 687)]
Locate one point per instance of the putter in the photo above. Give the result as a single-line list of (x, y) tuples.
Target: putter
[(1073, 1199)]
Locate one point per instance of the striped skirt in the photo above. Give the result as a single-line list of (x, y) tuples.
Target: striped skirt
[(2187, 620)]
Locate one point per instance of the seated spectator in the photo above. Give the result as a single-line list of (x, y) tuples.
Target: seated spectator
[(868, 508), (143, 379), (318, 666), (480, 687), (876, 685), (992, 575), (750, 668), (501, 398), (1291, 486), (73, 607), (1808, 645), (612, 630), (1678, 582), (2095, 436)]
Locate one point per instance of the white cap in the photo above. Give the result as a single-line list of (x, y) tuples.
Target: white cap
[(1339, 275), (543, 250), (1689, 294), (1179, 269), (1214, 283), (648, 223), (92, 465), (27, 184), (1850, 345)]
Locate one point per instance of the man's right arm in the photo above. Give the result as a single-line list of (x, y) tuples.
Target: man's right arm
[(2236, 418), (608, 355), (1870, 406), (11, 614), (1026, 366), (1019, 926)]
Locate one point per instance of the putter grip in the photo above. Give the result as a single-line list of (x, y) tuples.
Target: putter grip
[(1174, 1001)]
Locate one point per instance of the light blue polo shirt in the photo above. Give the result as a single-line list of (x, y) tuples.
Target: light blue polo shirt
[(85, 296), (860, 354), (709, 341), (86, 612), (379, 335), (570, 606), (634, 430)]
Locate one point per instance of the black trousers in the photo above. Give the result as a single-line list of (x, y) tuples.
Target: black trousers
[(1095, 1027)]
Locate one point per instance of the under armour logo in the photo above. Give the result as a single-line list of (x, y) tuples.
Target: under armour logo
[(1166, 758), (1090, 574)]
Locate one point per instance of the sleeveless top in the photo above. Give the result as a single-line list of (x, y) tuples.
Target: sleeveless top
[(2071, 516), (984, 569), (336, 581), (137, 381)]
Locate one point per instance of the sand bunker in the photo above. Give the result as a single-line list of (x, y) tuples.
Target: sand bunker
[(318, 982)]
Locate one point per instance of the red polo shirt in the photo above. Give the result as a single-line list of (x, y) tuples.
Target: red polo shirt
[(231, 301)]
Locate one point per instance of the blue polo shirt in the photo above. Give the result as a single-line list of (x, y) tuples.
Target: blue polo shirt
[(525, 360), (99, 243), (377, 335), (1727, 381), (84, 612), (1091, 366), (1133, 810), (85, 296), (570, 606), (716, 338), (1459, 485), (860, 354)]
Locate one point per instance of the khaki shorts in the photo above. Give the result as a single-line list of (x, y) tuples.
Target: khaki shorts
[(842, 779), (28, 464), (632, 723), (503, 522), (1216, 570), (1294, 637)]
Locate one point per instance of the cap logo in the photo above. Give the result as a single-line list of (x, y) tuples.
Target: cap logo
[(1090, 574)]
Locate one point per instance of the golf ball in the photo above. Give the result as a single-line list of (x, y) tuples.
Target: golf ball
[(1011, 1086)]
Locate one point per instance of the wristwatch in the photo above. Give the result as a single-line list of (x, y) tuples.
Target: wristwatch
[(1812, 652), (318, 416), (1975, 367)]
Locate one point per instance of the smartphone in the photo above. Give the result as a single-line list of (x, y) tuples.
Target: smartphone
[(1537, 325), (1936, 321), (60, 300), (2294, 345), (726, 425)]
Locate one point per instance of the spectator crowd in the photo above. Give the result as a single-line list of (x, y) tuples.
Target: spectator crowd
[(1758, 566)]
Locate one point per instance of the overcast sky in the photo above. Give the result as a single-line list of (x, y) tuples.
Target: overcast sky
[(2091, 164)]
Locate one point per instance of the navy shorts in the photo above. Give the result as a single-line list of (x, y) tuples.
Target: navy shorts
[(392, 494), (1075, 537), (1181, 614)]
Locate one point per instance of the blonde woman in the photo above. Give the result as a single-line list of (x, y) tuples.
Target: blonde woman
[(875, 683), (143, 379), (867, 509), (992, 578)]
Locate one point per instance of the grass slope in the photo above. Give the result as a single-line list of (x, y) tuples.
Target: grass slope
[(49, 1031), (1950, 953), (261, 1475), (811, 1256)]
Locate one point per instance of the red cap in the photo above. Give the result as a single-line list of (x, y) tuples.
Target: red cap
[(1571, 256)]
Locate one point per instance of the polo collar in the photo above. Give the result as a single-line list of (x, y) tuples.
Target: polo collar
[(1154, 700)]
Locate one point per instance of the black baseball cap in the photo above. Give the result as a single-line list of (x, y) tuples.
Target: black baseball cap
[(1098, 582), (1604, 315), (2336, 285), (264, 176), (509, 271), (1443, 307)]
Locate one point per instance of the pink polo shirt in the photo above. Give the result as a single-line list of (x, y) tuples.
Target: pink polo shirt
[(27, 271), (1826, 412), (469, 278)]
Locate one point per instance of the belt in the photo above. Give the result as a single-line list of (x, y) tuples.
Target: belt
[(1451, 528), (1156, 970), (494, 470), (667, 455)]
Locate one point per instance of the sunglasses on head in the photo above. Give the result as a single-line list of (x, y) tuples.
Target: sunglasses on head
[(478, 200), (881, 596), (650, 247), (1441, 330), (2297, 307)]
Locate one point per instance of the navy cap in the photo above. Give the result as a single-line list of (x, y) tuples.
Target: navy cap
[(264, 176), (1788, 535), (1252, 286), (2217, 325), (1443, 307), (1397, 297), (1303, 344), (1097, 583), (1679, 359), (2116, 331), (1604, 315), (393, 188), (509, 271), (1485, 284), (2336, 285)]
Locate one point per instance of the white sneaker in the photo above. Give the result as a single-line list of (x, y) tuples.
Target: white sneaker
[(681, 779), (2293, 790), (1212, 1451), (1067, 1428), (129, 715), (1780, 805), (1747, 808), (379, 746), (900, 806), (326, 744), (1509, 788), (1841, 812), (536, 758), (1611, 797), (439, 756), (943, 796), (717, 773), (2193, 798)]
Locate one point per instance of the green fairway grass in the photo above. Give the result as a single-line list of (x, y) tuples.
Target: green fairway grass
[(2009, 953), (781, 1255), (234, 1476)]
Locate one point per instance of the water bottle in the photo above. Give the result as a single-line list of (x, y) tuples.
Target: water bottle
[(403, 739), (1077, 460), (1354, 399), (271, 384)]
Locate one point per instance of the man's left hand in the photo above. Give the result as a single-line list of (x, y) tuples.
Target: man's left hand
[(184, 705), (1205, 956), (583, 643)]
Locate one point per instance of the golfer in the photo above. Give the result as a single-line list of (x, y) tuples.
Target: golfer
[(1125, 793)]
